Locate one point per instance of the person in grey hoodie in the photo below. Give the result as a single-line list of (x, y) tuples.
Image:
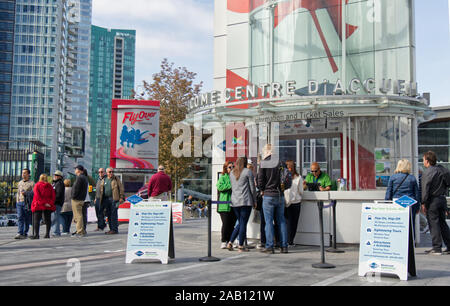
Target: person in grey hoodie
[(243, 199)]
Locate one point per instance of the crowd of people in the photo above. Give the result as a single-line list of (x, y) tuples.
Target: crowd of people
[(276, 193), (61, 203), (277, 197)]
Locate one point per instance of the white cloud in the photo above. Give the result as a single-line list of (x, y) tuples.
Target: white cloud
[(180, 30)]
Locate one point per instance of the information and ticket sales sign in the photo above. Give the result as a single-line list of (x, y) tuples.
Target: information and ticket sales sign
[(384, 239), (150, 235)]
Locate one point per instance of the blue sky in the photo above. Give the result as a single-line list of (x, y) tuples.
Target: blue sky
[(182, 31)]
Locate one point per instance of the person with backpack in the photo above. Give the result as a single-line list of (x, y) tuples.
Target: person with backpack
[(317, 177), (435, 185), (272, 181)]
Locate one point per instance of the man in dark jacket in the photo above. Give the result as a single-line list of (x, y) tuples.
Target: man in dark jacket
[(269, 183), (435, 184), (58, 185), (79, 190)]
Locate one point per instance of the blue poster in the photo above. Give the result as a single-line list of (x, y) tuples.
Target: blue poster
[(148, 231), (384, 239)]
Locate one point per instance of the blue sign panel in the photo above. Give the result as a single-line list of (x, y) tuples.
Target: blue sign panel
[(135, 199), (405, 201)]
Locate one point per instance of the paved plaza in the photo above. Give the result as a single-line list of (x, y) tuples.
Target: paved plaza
[(99, 260)]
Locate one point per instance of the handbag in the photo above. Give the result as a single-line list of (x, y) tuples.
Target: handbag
[(398, 187)]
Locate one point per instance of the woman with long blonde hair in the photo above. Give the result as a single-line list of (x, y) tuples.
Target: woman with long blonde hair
[(403, 183), (243, 198)]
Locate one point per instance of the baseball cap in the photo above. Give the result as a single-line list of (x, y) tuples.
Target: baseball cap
[(59, 173), (80, 167)]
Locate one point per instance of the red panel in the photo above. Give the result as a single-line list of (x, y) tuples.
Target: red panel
[(115, 107)]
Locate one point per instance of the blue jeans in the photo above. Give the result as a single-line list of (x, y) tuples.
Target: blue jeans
[(57, 221), (112, 213), (242, 215), (67, 218), (24, 219), (274, 211)]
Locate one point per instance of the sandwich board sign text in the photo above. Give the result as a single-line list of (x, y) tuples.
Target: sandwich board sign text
[(384, 240), (150, 232)]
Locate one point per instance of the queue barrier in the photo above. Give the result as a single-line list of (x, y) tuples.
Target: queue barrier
[(320, 205)]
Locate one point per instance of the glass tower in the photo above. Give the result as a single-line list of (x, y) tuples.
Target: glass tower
[(39, 76), (111, 77), (77, 144), (7, 18)]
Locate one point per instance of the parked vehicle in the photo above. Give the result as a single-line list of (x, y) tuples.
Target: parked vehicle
[(12, 219), (3, 221)]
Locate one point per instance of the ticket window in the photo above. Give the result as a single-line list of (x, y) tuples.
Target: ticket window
[(325, 151)]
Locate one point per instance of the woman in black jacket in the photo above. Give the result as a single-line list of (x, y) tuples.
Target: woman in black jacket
[(58, 186)]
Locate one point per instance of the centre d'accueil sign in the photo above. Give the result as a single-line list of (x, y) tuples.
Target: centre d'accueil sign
[(278, 90)]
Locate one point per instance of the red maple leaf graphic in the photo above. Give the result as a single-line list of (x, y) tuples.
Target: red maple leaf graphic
[(283, 9)]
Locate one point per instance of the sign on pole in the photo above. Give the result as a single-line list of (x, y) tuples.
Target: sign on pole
[(384, 240), (177, 213), (150, 232)]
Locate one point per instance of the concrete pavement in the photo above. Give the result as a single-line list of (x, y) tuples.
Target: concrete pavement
[(99, 260)]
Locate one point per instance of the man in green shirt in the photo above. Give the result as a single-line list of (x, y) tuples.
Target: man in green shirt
[(317, 176)]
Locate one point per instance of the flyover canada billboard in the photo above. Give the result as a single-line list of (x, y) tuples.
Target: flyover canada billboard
[(135, 134)]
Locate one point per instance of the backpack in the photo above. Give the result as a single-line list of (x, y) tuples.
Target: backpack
[(285, 178)]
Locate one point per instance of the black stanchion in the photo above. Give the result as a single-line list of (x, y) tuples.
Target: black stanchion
[(209, 258), (334, 248), (322, 264)]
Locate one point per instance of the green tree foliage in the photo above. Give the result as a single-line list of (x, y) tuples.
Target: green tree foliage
[(173, 87)]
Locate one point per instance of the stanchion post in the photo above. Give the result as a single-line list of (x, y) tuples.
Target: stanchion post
[(334, 248), (209, 258), (322, 264)]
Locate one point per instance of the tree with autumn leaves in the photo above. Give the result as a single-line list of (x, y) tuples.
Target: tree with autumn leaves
[(173, 87)]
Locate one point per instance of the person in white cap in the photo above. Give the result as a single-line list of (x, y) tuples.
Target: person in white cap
[(58, 186)]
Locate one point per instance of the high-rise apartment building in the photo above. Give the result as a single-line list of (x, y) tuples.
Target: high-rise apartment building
[(44, 76), (7, 18), (111, 77), (39, 76), (77, 142)]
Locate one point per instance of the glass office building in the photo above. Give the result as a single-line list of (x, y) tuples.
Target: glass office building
[(77, 142), (112, 67), (7, 17), (39, 76)]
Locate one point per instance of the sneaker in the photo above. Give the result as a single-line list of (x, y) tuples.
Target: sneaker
[(79, 235), (99, 230), (243, 249), (284, 250), (434, 252), (268, 251), (223, 246), (19, 236), (34, 237), (260, 246), (446, 251), (111, 233)]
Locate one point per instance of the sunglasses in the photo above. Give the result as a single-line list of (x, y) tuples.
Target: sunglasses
[(315, 171)]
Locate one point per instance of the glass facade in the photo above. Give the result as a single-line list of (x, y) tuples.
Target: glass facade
[(7, 19), (38, 91), (304, 40), (112, 68), (77, 100), (435, 136)]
